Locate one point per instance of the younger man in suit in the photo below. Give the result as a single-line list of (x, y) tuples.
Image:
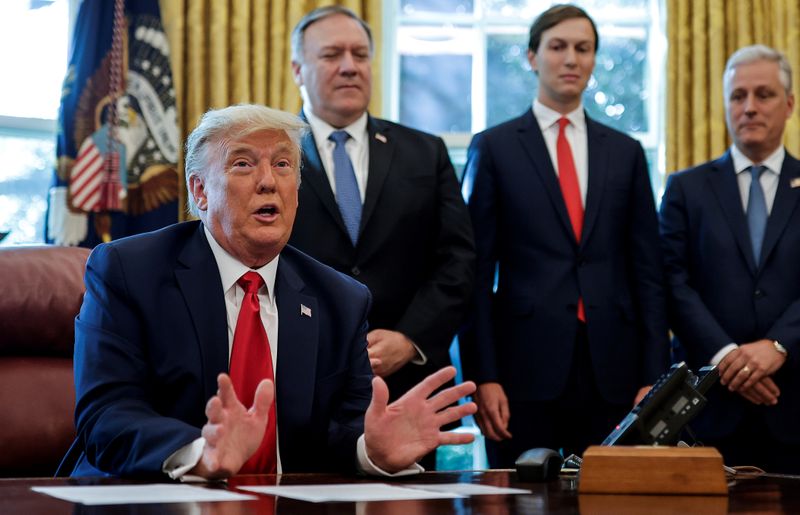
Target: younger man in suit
[(569, 323), (379, 202), (212, 347), (731, 234)]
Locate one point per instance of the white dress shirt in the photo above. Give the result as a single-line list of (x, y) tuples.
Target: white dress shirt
[(576, 136), (769, 183), (357, 148), (769, 177), (179, 463)]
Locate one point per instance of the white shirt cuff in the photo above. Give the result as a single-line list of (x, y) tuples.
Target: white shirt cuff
[(421, 358), (366, 466), (722, 353), (183, 460)]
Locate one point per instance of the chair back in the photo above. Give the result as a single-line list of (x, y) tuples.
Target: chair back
[(41, 290)]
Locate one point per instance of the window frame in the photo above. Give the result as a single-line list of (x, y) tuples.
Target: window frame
[(653, 21), (42, 129)]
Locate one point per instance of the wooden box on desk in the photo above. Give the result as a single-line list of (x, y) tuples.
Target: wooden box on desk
[(652, 470)]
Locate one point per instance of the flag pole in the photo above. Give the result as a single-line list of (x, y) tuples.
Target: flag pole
[(111, 189)]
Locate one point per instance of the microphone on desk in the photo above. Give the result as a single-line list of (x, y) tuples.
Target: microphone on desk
[(539, 464)]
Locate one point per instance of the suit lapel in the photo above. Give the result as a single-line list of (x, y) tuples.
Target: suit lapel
[(726, 188), (316, 180), (598, 156), (298, 336), (786, 200), (381, 149), (531, 139), (206, 303)]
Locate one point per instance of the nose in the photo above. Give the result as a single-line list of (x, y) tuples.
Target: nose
[(347, 65), (750, 104), (569, 57), (265, 179)]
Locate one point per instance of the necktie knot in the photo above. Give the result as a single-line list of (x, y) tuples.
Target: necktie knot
[(339, 137), (250, 282), (562, 123), (756, 171)]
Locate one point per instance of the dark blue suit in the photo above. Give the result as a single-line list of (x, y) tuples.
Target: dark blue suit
[(415, 249), (719, 296), (152, 337), (523, 333)]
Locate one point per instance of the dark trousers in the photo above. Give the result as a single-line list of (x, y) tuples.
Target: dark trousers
[(576, 419), (752, 443)]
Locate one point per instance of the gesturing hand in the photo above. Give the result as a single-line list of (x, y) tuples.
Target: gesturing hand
[(398, 434), (233, 432)]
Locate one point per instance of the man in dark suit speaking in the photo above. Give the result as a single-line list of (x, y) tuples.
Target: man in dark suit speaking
[(569, 320), (379, 202), (211, 348), (731, 233)]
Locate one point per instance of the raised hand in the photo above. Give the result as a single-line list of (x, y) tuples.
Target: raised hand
[(398, 434), (233, 432)]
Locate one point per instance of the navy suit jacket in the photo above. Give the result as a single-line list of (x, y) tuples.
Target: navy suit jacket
[(151, 338), (531, 270), (718, 295), (415, 250)]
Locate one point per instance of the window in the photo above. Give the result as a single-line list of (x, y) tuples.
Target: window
[(34, 39), (455, 67)]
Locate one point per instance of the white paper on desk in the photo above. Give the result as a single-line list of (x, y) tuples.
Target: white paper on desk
[(468, 489), (354, 492), (138, 494)]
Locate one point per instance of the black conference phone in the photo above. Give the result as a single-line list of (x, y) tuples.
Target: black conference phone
[(675, 399)]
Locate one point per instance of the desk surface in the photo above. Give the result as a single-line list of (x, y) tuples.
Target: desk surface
[(763, 495)]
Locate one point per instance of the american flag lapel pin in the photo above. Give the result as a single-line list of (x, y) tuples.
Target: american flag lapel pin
[(380, 137), (305, 311)]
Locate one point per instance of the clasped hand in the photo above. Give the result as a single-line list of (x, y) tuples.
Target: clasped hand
[(748, 370)]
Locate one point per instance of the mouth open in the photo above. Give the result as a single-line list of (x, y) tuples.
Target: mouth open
[(268, 211)]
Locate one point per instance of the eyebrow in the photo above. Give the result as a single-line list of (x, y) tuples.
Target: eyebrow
[(340, 47), (570, 40), (284, 147)]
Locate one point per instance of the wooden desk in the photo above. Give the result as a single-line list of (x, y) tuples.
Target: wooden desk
[(763, 495)]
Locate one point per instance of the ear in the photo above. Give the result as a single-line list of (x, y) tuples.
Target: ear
[(298, 77), (790, 103), (532, 61), (197, 189)]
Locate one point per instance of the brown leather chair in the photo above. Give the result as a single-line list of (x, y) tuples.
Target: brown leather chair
[(41, 290)]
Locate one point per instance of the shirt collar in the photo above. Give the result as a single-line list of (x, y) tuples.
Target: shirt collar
[(548, 117), (774, 162), (322, 129), (231, 269)]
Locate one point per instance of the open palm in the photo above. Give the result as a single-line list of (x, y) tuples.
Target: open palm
[(398, 434)]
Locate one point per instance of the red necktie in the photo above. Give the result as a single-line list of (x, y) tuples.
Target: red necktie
[(251, 361), (568, 179)]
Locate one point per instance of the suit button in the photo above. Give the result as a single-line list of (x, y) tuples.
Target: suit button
[(355, 271), (759, 293)]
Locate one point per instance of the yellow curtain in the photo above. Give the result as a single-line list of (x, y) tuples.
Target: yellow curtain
[(701, 36), (228, 52)]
